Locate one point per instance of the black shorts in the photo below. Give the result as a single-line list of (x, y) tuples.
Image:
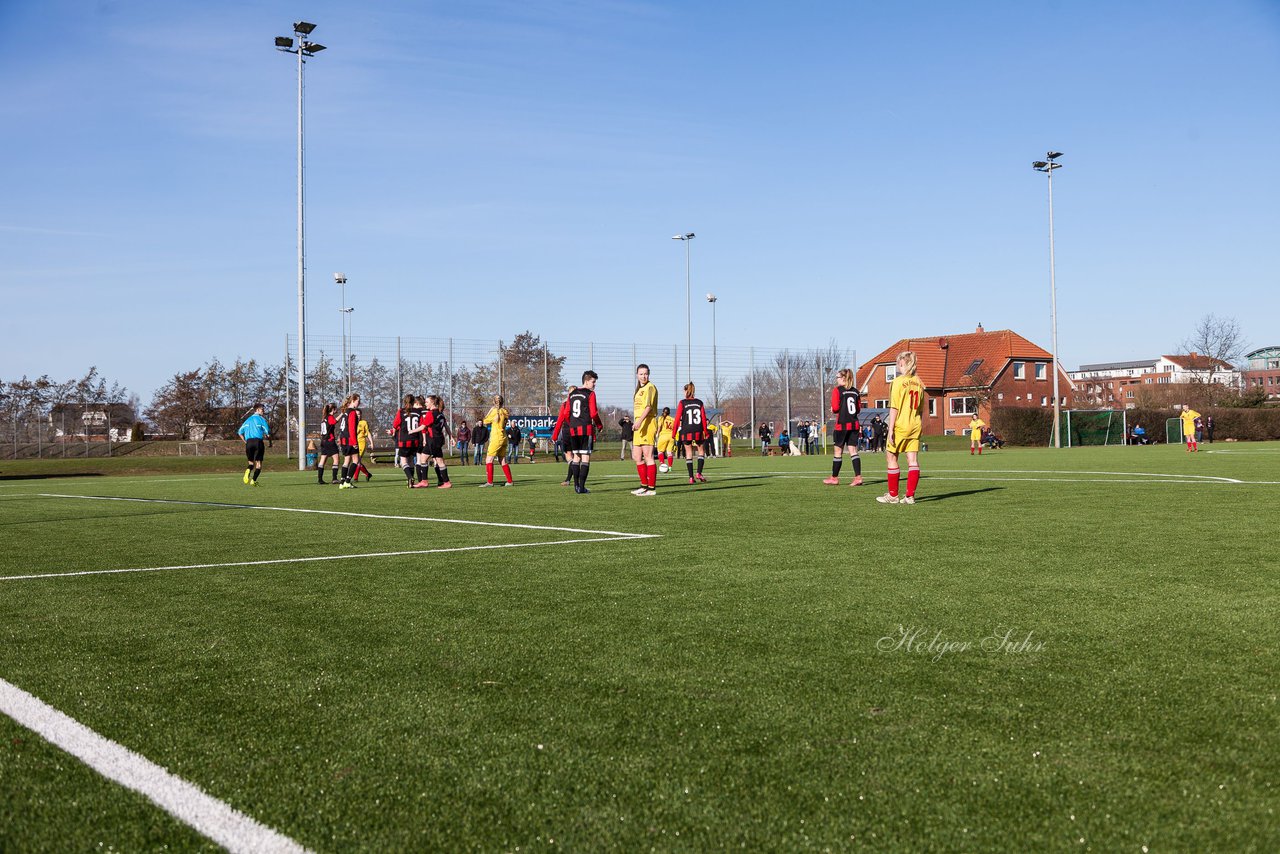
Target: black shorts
[(577, 444), (410, 450), (434, 446), (254, 449), (842, 437), (350, 450), (692, 438), (328, 448)]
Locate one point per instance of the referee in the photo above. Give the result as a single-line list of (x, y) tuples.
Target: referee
[(254, 431)]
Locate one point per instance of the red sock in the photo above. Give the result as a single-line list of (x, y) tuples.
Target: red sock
[(640, 470), (653, 476), (506, 472), (488, 472), (913, 479), (979, 450), (971, 450), (893, 481)]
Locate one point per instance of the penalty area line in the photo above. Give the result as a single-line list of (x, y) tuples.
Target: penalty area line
[(185, 801), (230, 506), (328, 557)]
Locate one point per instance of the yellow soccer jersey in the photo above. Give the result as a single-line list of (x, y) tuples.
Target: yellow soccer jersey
[(907, 396), (1189, 422), (665, 440), (646, 398), (497, 419), (975, 429)]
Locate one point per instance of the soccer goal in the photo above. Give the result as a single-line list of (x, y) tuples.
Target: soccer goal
[(1080, 427), (188, 449), (1173, 431)]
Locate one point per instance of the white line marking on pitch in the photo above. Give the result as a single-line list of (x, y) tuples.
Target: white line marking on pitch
[(184, 801), (328, 557), (619, 534)]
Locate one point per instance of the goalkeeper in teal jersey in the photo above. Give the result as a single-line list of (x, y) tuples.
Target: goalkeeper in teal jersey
[(254, 431)]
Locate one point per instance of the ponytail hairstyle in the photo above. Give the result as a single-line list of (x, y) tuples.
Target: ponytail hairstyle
[(420, 401), (407, 403), (498, 401), (328, 410), (845, 377), (434, 402), (688, 389), (907, 358), (350, 399)]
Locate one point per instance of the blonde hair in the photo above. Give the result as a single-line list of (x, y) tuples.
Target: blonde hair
[(908, 360), (350, 399), (497, 400), (845, 377), (688, 389)]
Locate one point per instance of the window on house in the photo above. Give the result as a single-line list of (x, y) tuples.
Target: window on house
[(1128, 395), (933, 406), (1041, 370), (964, 405), (1000, 396), (1044, 401), (882, 404), (1019, 370), (890, 372), (973, 367)]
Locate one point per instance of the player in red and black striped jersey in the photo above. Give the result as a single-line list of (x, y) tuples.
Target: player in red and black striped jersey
[(432, 425), (845, 404), (328, 442), (560, 434), (582, 424), (348, 422), (690, 426), (404, 427)]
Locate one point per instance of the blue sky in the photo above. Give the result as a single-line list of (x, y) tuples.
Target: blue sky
[(856, 170)]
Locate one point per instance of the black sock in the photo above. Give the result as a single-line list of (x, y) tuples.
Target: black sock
[(421, 471), (701, 460), (255, 474), (583, 468), (689, 465), (835, 466), (408, 473), (572, 476), (319, 474), (335, 473), (442, 474), (857, 465)]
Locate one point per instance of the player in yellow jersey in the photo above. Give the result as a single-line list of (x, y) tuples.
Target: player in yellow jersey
[(906, 407), (975, 434), (1189, 416), (496, 420), (666, 444), (646, 432)]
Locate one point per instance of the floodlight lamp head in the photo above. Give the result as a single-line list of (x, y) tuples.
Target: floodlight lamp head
[(711, 297), (303, 27), (284, 42), (1039, 164), (311, 48), (1053, 155), (340, 278)]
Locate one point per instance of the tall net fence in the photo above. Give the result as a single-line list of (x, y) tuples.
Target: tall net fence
[(744, 386)]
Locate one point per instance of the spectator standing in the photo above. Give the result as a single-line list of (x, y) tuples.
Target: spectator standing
[(513, 442), (1208, 427), (765, 436), (628, 434), (479, 436), (464, 439)]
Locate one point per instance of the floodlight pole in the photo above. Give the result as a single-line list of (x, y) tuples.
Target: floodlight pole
[(715, 371), (1047, 166), (304, 49), (688, 304)]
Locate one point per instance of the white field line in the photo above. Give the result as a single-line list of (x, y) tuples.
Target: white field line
[(617, 534), (327, 557), (186, 802)]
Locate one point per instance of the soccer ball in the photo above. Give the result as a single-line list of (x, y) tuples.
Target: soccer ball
[(664, 468)]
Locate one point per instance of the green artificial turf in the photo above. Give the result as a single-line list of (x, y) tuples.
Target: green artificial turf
[(740, 681)]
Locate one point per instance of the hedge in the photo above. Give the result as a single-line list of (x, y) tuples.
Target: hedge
[(1032, 426)]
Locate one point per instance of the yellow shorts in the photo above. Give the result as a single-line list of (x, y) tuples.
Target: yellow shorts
[(360, 448), (903, 444), (497, 449), (975, 436), (647, 433), (665, 443)]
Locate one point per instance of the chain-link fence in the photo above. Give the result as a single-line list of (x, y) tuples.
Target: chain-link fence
[(744, 386)]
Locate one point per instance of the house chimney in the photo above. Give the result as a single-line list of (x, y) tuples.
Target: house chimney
[(980, 327)]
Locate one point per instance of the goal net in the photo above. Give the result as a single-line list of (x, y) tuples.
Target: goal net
[(188, 449), (1080, 427), (1173, 431)]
